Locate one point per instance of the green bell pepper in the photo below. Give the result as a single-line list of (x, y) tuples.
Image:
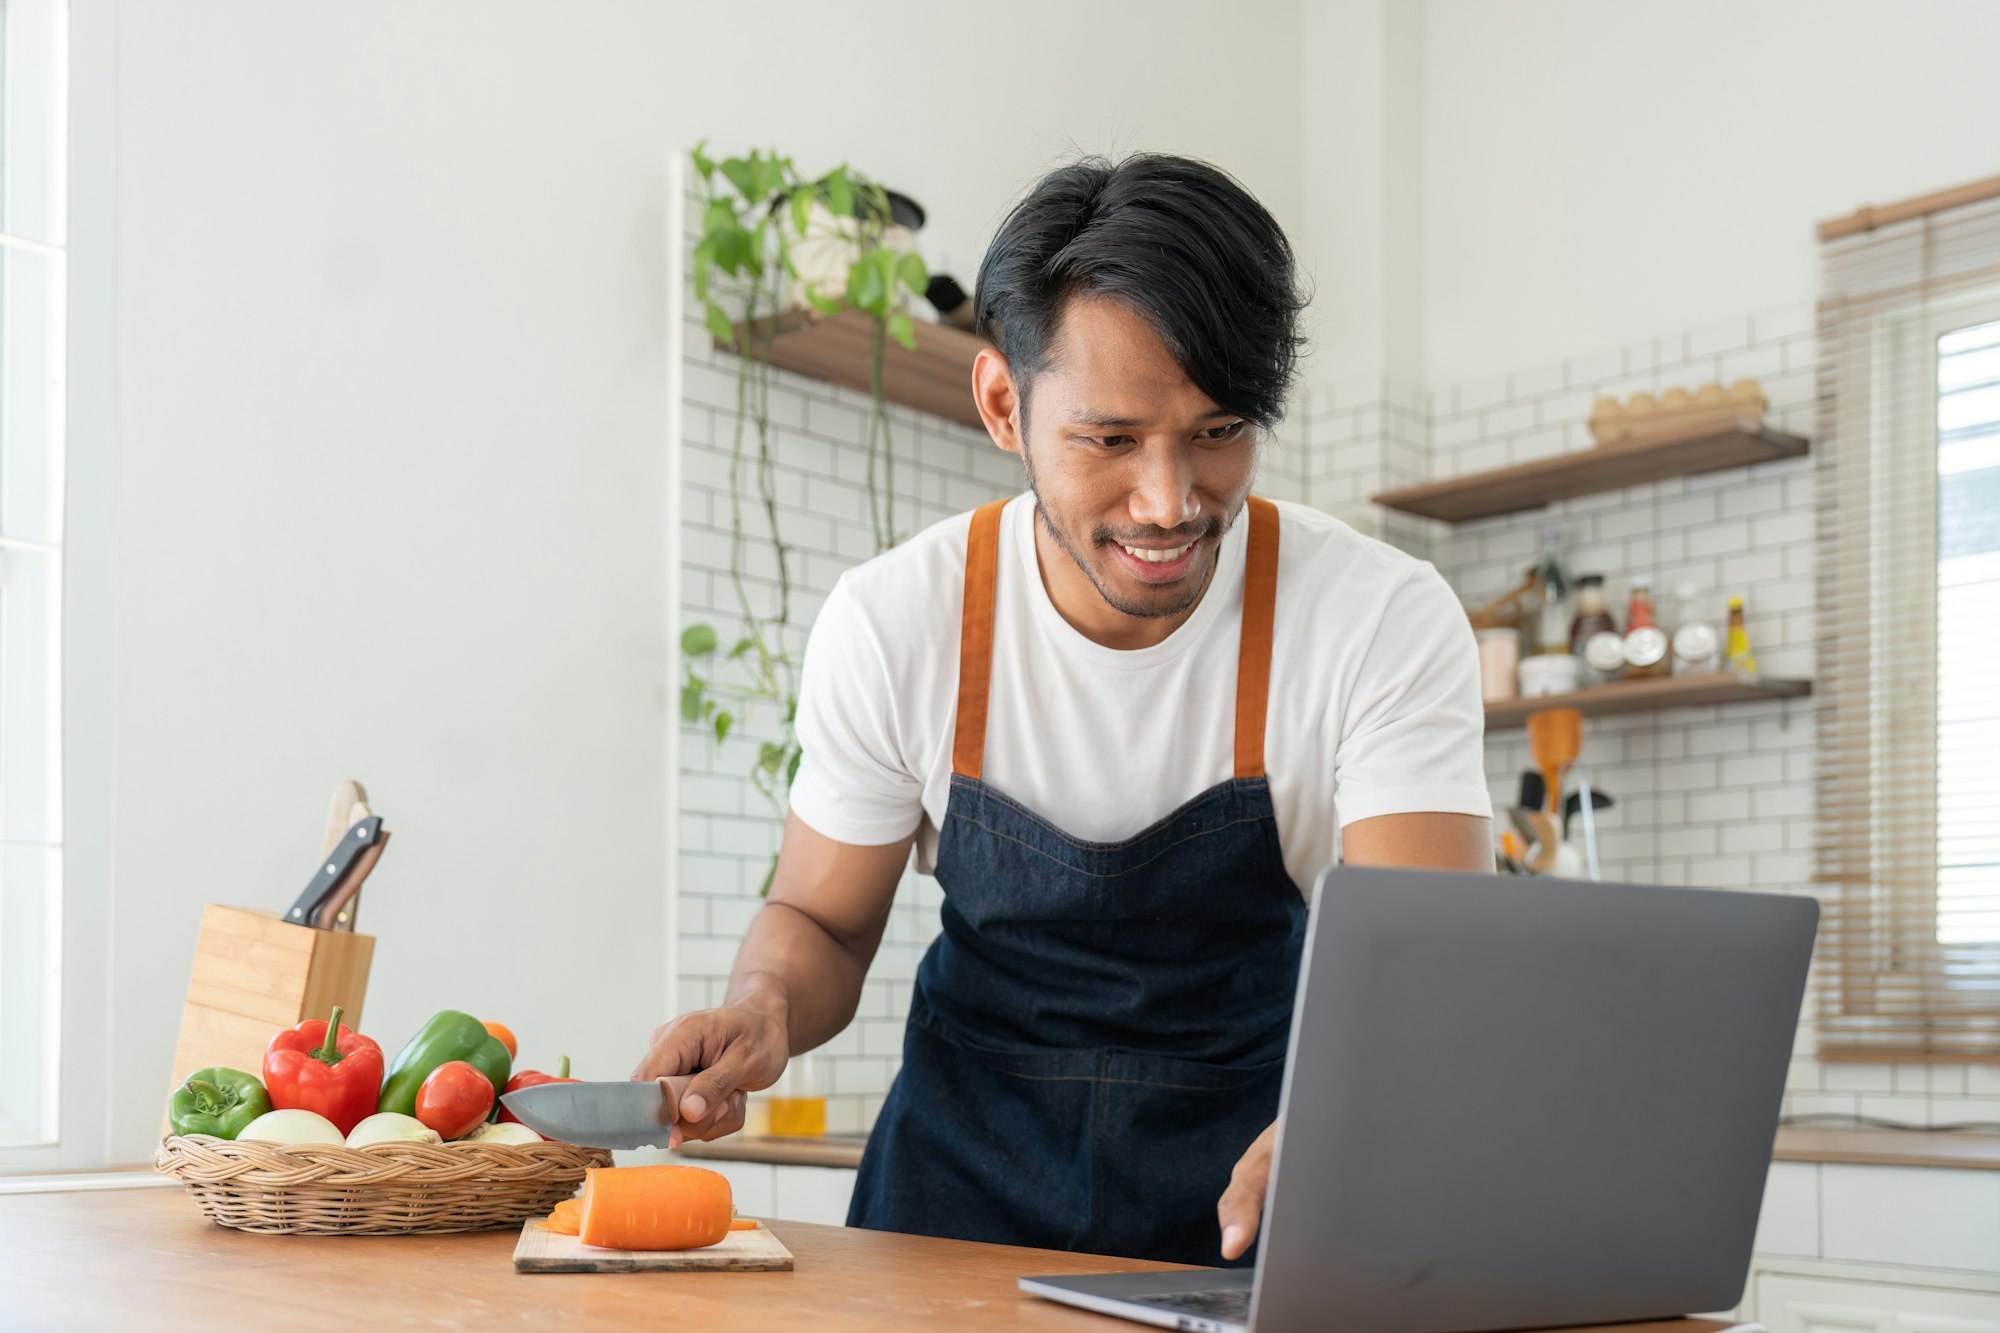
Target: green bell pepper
[(217, 1101), (450, 1035)]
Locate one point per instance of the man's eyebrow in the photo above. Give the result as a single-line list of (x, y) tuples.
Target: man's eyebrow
[(1094, 417)]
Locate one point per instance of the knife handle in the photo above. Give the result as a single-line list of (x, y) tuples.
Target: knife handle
[(337, 911), (332, 870)]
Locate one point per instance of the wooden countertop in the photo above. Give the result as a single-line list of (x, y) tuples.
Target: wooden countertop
[(147, 1259), (1796, 1143)]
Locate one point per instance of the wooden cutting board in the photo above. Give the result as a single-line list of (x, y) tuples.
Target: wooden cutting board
[(542, 1251)]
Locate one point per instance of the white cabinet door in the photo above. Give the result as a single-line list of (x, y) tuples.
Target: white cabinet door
[(813, 1194), (1826, 1305)]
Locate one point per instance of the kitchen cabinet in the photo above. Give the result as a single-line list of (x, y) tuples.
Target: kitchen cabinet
[(1861, 1300)]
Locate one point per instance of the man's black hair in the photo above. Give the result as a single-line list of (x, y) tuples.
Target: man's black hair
[(1181, 244)]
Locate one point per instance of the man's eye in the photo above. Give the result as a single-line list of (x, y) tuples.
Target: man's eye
[(1108, 441), (1229, 432)]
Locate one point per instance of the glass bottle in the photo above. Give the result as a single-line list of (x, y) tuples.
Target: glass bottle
[(1645, 642), (1593, 613)]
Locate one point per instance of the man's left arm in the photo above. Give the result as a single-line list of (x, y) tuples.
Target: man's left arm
[(1417, 741)]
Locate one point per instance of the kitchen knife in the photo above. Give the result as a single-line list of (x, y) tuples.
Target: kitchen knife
[(601, 1115), (338, 911), (332, 870)]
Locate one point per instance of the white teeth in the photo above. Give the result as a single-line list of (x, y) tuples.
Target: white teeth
[(1166, 557)]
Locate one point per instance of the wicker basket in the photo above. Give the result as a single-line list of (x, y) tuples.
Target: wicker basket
[(381, 1190)]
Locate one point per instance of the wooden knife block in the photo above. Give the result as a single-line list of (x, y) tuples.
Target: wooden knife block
[(254, 974)]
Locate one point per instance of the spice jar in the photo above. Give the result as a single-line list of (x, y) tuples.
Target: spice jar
[(1645, 646)]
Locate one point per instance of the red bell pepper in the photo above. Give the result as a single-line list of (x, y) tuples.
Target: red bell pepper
[(528, 1078), (323, 1066)]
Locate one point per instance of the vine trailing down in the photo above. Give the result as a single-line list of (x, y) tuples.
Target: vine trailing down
[(753, 209)]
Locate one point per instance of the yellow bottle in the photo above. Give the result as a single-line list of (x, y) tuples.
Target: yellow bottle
[(1737, 650)]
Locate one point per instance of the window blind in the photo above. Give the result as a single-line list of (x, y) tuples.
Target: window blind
[(1908, 449)]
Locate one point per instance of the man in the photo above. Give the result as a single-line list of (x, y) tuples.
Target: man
[(1065, 702)]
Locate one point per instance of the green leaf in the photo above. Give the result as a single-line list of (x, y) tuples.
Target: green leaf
[(738, 172), (718, 324), (701, 267), (723, 721), (826, 305), (740, 647), (766, 172), (913, 273), (864, 285), (801, 210), (903, 331), (770, 757), (718, 217), (839, 194), (702, 162), (698, 640), (691, 700), (792, 769)]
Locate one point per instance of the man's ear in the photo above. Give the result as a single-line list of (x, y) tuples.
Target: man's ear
[(993, 393)]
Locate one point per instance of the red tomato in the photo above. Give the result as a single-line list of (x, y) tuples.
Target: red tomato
[(454, 1099)]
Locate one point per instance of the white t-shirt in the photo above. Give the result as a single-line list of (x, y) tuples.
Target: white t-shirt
[(1374, 702)]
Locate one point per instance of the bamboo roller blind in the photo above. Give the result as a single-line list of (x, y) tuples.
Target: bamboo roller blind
[(1908, 449)]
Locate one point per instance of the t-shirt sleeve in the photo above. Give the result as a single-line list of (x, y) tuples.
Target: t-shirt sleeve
[(852, 785), (1413, 738)]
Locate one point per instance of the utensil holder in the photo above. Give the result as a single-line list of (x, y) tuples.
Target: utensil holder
[(254, 974)]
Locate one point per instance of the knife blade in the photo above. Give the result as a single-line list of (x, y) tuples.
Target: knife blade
[(600, 1115), (332, 869)]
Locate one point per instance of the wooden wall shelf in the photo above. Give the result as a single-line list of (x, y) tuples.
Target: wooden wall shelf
[(935, 378), (1638, 696), (1510, 490)]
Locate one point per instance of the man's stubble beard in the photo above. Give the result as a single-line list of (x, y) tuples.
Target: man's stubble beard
[(1141, 611)]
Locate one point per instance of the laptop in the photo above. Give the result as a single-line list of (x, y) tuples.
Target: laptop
[(1510, 1103)]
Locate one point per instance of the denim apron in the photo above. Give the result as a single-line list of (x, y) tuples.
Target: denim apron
[(1099, 1032)]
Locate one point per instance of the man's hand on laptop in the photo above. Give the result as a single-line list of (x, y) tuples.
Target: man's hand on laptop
[(1242, 1204)]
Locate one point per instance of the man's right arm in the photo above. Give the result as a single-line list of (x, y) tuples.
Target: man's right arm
[(796, 982)]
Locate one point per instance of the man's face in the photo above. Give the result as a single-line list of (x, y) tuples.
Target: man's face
[(1136, 472)]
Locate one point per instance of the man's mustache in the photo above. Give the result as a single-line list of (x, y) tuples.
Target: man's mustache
[(1180, 536)]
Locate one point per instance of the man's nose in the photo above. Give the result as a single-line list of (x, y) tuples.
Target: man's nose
[(1163, 493)]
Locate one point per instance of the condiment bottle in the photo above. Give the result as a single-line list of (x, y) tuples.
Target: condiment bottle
[(1738, 647), (1645, 642), (1593, 614)]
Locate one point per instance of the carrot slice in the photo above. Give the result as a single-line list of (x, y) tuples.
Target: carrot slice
[(744, 1224), (655, 1207), (566, 1218)]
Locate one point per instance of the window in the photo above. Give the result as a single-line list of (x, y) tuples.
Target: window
[(32, 323), (1908, 476), (1968, 635)]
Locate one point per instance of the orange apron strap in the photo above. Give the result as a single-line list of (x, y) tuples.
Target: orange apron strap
[(975, 640), (1253, 660)]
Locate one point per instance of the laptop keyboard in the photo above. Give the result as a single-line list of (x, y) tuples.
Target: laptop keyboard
[(1230, 1303)]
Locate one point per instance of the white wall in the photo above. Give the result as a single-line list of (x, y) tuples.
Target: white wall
[(1595, 173), (389, 492)]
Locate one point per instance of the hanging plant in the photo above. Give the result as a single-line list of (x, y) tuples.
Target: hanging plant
[(754, 209)]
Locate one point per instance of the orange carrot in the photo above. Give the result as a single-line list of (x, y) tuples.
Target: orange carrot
[(743, 1224), (655, 1207), (566, 1219)]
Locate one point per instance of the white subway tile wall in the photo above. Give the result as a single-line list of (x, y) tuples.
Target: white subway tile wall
[(1719, 797), (1716, 797)]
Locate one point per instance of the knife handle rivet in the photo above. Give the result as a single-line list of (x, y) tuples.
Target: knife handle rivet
[(329, 867), (361, 834)]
